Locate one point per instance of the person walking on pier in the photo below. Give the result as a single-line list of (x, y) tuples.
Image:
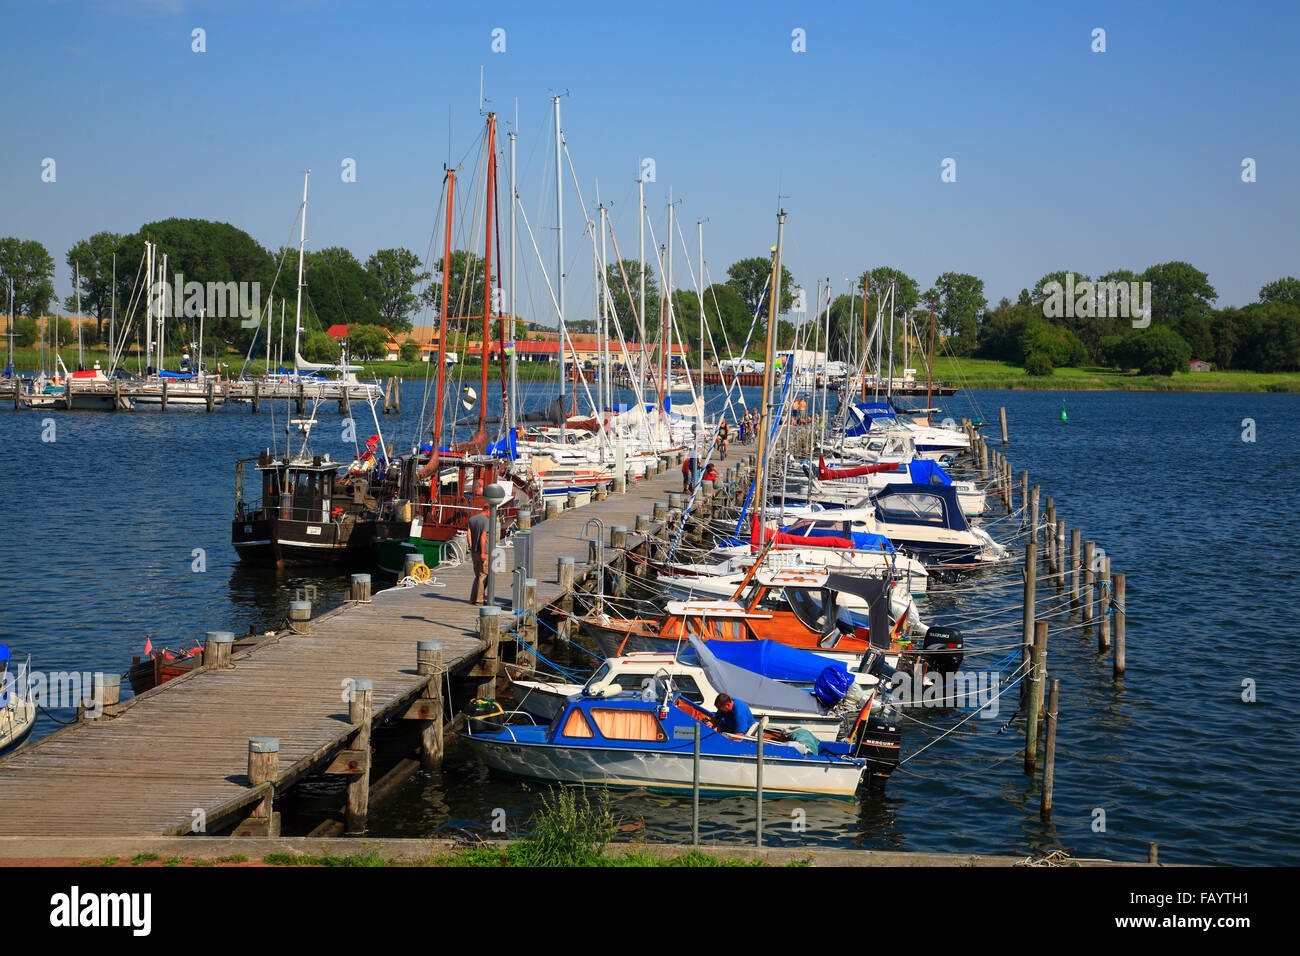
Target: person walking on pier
[(478, 534)]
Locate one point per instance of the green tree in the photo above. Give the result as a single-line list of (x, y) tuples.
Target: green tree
[(1037, 363), (396, 273), (1157, 350), (465, 286), (876, 281), (625, 305), (93, 259), (29, 265), (342, 291), (1281, 290), (1181, 297), (319, 346), (960, 308), (749, 276), (367, 342), (410, 352)]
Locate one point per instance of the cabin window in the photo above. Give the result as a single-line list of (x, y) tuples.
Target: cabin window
[(627, 724), (685, 684), (576, 725), (913, 507)]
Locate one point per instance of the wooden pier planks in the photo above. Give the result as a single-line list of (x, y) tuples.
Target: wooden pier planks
[(183, 747)]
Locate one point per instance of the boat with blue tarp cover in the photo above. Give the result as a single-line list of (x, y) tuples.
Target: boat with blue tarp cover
[(620, 740)]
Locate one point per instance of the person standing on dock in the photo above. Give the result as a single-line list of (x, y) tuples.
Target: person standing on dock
[(478, 534)]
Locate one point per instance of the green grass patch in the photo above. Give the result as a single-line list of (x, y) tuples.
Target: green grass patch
[(990, 373), (144, 858)]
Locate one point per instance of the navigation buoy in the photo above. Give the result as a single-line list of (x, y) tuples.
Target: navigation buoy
[(1064, 417)]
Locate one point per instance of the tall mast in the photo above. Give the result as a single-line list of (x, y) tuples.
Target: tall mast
[(889, 383), (490, 176), (765, 426), (640, 258), (81, 359), (162, 312), (112, 323), (148, 324), (302, 242), (699, 234), (866, 281), (605, 391), (432, 467), (514, 380), (929, 378), (559, 262)]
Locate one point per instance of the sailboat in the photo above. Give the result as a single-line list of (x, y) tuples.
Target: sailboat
[(17, 708), (445, 486)]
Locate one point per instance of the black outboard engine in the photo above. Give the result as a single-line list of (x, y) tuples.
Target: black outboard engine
[(943, 650), (876, 739)]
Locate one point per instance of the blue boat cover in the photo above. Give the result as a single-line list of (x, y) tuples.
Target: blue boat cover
[(927, 472), (505, 448), (774, 660)]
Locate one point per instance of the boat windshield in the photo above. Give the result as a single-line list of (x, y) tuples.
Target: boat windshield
[(807, 607)]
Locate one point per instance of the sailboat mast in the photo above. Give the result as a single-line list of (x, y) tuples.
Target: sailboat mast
[(112, 323), (866, 281), (490, 176), (148, 325), (432, 467), (162, 311), (760, 479), (640, 258), (559, 262), (302, 242), (606, 388), (511, 414), (81, 358)]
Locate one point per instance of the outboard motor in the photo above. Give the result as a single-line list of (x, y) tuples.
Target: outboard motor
[(876, 739), (943, 650)]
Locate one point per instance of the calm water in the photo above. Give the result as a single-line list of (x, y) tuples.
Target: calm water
[(119, 528)]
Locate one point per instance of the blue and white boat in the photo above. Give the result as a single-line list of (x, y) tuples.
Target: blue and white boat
[(927, 520), (616, 739), (17, 708)]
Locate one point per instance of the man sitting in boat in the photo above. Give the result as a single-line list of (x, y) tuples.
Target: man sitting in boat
[(732, 716)]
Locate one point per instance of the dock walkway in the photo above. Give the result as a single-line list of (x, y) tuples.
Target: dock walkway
[(179, 752)]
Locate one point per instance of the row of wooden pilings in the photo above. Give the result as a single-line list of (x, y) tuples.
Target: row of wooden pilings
[(1083, 578)]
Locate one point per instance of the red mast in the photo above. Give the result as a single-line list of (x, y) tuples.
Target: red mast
[(432, 467)]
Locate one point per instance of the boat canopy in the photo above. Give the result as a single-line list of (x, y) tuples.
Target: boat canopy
[(926, 472), (819, 532), (866, 414), (773, 659), (753, 688), (936, 505)]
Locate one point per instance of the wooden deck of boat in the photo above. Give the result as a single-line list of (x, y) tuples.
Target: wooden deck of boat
[(182, 748)]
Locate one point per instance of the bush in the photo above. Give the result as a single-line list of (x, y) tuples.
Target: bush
[(1038, 364), (571, 829), (410, 351), (1159, 350)]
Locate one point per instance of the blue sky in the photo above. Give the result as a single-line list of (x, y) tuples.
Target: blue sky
[(1065, 158)]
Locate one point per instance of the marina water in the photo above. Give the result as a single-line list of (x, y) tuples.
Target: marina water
[(118, 529)]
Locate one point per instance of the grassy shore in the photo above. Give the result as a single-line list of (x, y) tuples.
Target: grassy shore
[(964, 373), (989, 373)]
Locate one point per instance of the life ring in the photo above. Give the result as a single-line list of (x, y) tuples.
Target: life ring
[(420, 572)]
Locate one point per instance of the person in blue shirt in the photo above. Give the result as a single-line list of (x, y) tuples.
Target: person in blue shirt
[(732, 716)]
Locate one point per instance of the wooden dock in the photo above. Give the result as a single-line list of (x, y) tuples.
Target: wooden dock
[(179, 757)]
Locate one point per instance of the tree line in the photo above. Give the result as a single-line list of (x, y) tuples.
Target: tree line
[(391, 287)]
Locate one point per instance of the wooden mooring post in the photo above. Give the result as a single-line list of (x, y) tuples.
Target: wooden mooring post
[(1103, 630), (1028, 612), (1049, 757), (429, 707), (1037, 672), (1076, 537), (1121, 623), (1089, 576), (263, 768), (489, 632), (1059, 536), (1002, 416), (359, 712)]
